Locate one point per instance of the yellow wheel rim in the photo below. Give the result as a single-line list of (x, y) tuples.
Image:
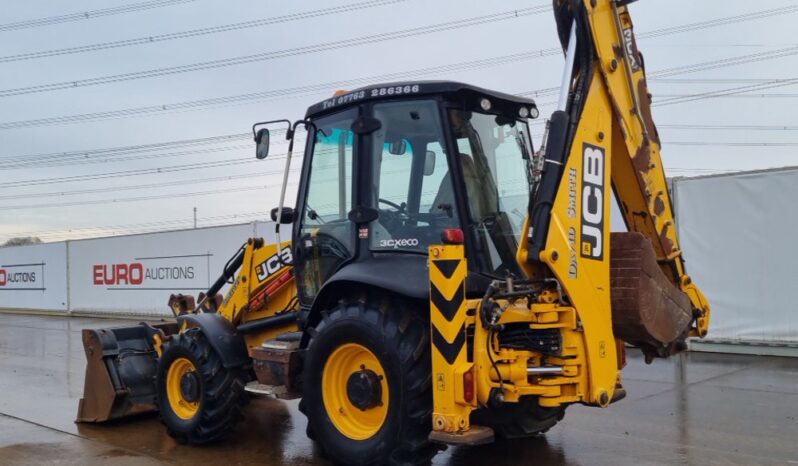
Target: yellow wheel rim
[(351, 421), (183, 408)]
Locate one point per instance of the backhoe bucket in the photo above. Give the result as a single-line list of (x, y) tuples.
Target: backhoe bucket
[(648, 310), (120, 371)]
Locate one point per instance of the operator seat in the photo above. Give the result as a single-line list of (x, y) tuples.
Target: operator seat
[(477, 204)]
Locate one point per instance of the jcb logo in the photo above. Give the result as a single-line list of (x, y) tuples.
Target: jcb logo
[(592, 202), (273, 264), (629, 41)]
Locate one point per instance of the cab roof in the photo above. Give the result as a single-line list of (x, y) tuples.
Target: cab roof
[(450, 90)]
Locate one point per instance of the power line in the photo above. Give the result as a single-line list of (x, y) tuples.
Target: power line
[(87, 160), (147, 171), (702, 169), (80, 156), (225, 62), (138, 148), (170, 184), (126, 153), (85, 156), (130, 227), (117, 174), (763, 95), (132, 199), (276, 93), (325, 87), (723, 21), (731, 144), (729, 92), (199, 32), (712, 80), (703, 127), (674, 143), (700, 67), (738, 60), (90, 14), (202, 140)]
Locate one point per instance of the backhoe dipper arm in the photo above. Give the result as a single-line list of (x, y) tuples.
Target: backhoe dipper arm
[(609, 112), (638, 176)]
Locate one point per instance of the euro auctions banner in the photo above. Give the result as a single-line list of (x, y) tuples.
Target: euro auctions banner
[(34, 277), (136, 274)]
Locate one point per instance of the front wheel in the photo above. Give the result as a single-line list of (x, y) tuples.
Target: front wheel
[(199, 400), (367, 390)]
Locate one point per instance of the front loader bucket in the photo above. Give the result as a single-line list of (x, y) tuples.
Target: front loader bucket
[(120, 371)]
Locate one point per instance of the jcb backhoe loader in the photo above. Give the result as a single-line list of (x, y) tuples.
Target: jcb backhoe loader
[(443, 283)]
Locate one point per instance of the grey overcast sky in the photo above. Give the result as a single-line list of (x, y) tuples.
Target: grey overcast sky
[(750, 130)]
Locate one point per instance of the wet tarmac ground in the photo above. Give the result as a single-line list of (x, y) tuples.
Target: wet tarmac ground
[(697, 409)]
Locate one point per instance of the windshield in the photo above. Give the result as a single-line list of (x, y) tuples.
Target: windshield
[(500, 147)]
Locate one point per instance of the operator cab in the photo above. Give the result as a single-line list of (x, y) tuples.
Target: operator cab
[(389, 169)]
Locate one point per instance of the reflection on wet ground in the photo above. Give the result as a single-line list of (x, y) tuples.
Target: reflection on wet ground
[(700, 408)]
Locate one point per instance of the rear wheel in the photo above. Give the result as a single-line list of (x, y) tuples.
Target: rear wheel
[(199, 400), (367, 384), (519, 420)]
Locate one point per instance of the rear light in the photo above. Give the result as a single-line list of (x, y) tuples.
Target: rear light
[(452, 236), (468, 386)]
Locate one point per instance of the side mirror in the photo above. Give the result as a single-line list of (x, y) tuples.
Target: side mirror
[(287, 217), (397, 148), (262, 143), (429, 163)]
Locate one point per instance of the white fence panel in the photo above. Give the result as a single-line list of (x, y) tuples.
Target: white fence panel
[(136, 274), (34, 277), (738, 236)]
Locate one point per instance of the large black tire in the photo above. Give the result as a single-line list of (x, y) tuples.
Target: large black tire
[(221, 391), (519, 420), (399, 337)]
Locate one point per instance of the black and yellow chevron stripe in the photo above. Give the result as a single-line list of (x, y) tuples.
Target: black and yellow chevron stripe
[(447, 304), (448, 320)]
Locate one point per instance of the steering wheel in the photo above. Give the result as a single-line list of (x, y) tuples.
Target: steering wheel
[(331, 245), (399, 208)]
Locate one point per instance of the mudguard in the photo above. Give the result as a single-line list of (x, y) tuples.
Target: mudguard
[(223, 337)]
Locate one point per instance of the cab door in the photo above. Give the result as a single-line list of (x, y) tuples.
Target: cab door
[(325, 236)]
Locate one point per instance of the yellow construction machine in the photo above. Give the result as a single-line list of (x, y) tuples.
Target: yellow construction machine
[(444, 282)]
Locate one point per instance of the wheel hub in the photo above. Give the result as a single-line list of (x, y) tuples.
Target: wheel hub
[(364, 389), (189, 387), (354, 388)]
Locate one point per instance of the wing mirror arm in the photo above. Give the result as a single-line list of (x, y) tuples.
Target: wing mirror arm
[(262, 137)]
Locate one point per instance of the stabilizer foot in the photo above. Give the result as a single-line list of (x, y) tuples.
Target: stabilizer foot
[(476, 435)]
